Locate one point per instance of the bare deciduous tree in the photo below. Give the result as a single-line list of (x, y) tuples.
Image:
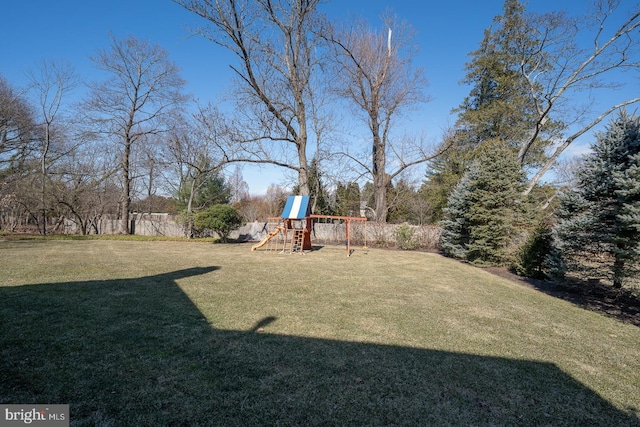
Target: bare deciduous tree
[(16, 123), (17, 128), (50, 82), (239, 187), (277, 50), (575, 67), (191, 157), (376, 75), (149, 165), (143, 89), (86, 186)]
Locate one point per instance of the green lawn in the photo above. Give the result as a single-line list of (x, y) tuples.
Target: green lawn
[(136, 333)]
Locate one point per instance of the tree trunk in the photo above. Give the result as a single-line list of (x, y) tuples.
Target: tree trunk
[(43, 166), (192, 194), (618, 273), (379, 177), (301, 142), (303, 171), (126, 190)]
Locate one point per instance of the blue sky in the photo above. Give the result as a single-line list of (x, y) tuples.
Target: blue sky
[(72, 30)]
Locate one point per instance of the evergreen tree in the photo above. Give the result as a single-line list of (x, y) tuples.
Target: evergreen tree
[(498, 211), (347, 199), (571, 241), (455, 225), (499, 106), (530, 259), (213, 191), (487, 212), (443, 174), (628, 253), (598, 229), (319, 197), (367, 195), (208, 186), (401, 198)]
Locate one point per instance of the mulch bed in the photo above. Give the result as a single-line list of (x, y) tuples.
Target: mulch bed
[(620, 304)]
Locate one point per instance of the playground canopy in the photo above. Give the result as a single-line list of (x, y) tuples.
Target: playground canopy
[(297, 207)]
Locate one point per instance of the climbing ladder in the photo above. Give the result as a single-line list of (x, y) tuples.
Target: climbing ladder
[(297, 240)]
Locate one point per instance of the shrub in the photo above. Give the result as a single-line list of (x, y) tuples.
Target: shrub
[(219, 218), (186, 219), (405, 236), (530, 259)]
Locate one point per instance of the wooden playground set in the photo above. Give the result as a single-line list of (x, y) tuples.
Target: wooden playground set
[(292, 230)]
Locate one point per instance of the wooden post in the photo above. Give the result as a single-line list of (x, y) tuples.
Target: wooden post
[(307, 237), (348, 221)]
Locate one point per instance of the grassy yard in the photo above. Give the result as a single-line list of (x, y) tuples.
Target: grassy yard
[(135, 333)]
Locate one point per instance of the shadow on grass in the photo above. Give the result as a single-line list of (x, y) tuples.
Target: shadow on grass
[(138, 352), (622, 304)]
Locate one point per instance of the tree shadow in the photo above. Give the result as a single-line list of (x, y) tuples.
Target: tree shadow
[(623, 304), (138, 351)]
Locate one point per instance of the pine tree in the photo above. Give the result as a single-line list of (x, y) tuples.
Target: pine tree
[(498, 210), (213, 190), (455, 225), (628, 253), (499, 106), (443, 174), (531, 257), (571, 240), (347, 198), (486, 211), (598, 229), (317, 190)]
